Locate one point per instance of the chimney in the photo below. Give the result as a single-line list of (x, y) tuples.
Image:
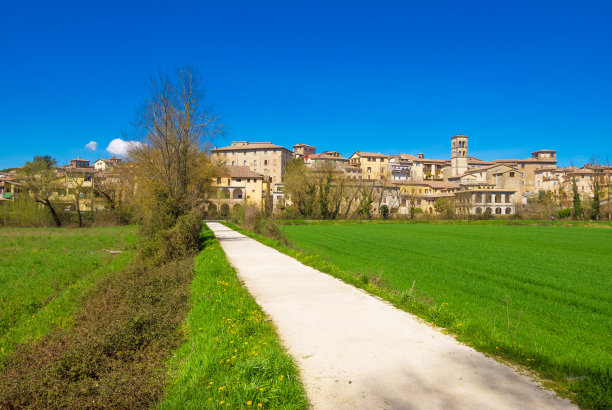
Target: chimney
[(420, 156)]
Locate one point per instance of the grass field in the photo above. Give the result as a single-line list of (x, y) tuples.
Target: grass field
[(45, 271), (539, 296), (233, 357)]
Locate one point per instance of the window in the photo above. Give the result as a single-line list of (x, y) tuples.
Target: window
[(238, 180), (232, 163), (255, 162), (245, 162), (522, 165), (218, 180), (369, 170), (512, 175), (265, 162), (244, 152)]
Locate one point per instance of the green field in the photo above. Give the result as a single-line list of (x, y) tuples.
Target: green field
[(44, 272), (539, 296)]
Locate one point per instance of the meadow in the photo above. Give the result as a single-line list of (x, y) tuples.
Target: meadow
[(539, 296), (44, 273)]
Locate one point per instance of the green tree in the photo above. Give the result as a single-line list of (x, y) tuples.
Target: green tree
[(577, 202), (41, 181)]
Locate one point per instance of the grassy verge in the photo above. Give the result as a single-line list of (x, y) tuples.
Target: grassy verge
[(232, 357), (538, 316), (45, 272)]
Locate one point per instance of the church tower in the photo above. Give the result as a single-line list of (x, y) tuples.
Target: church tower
[(459, 154)]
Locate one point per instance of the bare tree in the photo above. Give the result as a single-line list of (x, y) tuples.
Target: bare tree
[(173, 129)]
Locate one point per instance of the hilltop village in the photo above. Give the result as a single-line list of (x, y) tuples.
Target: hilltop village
[(253, 174), (405, 183)]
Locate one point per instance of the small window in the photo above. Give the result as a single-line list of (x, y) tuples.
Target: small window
[(255, 162), (512, 175), (522, 165), (244, 162), (265, 162), (232, 163), (238, 180)]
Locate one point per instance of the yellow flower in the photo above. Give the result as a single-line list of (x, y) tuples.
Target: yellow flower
[(260, 405), (222, 401), (249, 403)]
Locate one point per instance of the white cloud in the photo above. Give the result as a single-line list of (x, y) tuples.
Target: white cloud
[(93, 145), (120, 147)]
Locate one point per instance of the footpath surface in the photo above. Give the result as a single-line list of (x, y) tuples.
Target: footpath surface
[(356, 351)]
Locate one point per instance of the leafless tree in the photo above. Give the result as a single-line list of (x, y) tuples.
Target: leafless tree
[(173, 129)]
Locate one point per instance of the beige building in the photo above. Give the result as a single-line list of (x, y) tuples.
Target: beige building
[(239, 185), (527, 168), (493, 189), (262, 157), (406, 167), (423, 194), (325, 159), (303, 150), (373, 165), (106, 164)]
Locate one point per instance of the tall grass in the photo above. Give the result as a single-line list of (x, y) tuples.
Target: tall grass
[(232, 357)]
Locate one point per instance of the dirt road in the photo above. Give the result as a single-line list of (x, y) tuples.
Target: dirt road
[(356, 351)]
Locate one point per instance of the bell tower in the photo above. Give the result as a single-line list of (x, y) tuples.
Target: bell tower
[(459, 154)]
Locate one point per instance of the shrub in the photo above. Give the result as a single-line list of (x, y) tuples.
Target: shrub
[(384, 211), (564, 213)]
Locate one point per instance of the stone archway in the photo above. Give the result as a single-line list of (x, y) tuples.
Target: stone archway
[(237, 193)]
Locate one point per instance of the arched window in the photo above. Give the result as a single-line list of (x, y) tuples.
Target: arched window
[(225, 193), (508, 211), (498, 211), (479, 210), (479, 199), (498, 199), (237, 194)]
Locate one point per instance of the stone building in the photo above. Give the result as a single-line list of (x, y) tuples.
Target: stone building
[(262, 157), (239, 185), (303, 150)]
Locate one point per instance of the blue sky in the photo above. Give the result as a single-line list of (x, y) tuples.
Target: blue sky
[(372, 76)]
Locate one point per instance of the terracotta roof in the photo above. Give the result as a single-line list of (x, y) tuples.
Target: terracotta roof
[(323, 156), (303, 145), (249, 146), (535, 160), (431, 184), (241, 172), (371, 154)]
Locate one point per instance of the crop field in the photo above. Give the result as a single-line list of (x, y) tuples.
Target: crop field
[(540, 296), (44, 273)]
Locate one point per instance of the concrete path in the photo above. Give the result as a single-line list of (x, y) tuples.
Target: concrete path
[(355, 351)]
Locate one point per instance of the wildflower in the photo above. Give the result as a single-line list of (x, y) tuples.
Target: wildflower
[(260, 405), (261, 389), (222, 401), (249, 403)]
